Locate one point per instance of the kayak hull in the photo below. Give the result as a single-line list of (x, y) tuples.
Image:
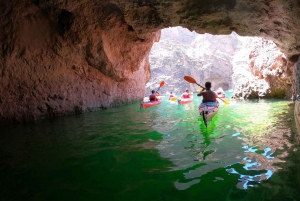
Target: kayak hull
[(208, 112), (150, 103), (185, 100)]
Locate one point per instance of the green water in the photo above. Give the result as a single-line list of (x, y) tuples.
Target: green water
[(250, 151)]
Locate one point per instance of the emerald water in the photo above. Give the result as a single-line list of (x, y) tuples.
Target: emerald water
[(250, 151)]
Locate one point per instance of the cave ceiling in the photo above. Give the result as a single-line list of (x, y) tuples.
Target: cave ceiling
[(277, 20)]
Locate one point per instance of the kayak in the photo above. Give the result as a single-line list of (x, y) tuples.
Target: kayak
[(173, 98), (150, 103), (208, 111), (220, 93), (185, 100), (172, 102)]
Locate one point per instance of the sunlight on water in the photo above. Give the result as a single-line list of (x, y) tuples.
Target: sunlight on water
[(159, 153), (239, 134)]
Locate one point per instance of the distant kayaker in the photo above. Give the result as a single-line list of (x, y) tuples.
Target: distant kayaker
[(208, 95), (171, 96), (186, 94), (220, 93), (153, 97)]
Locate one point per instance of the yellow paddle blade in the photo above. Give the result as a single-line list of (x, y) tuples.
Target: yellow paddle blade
[(199, 90), (173, 99), (226, 101)]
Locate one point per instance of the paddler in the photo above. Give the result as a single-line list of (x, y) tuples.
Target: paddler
[(209, 97), (171, 95), (186, 94), (153, 97)]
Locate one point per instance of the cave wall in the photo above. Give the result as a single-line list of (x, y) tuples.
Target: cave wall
[(60, 56), (53, 63)]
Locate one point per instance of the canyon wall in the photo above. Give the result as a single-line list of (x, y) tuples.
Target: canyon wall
[(253, 67), (59, 56), (204, 57)]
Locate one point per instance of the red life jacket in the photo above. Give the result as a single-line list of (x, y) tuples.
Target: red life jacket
[(186, 95)]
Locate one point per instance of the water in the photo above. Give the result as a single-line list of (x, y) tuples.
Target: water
[(250, 151)]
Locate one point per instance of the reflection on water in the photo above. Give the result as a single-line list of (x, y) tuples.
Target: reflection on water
[(242, 138), (159, 153)]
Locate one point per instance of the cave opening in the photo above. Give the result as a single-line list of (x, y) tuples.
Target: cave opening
[(250, 67)]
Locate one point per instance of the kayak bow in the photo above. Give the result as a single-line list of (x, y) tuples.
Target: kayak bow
[(150, 103), (185, 100), (208, 111)]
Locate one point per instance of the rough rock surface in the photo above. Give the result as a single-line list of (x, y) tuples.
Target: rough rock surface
[(252, 66), (180, 52), (55, 62), (60, 56), (261, 70)]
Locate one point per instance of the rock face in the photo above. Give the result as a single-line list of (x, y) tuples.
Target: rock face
[(266, 73), (55, 62), (60, 56), (203, 56), (252, 66)]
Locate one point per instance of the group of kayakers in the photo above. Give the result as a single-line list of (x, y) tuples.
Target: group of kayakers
[(207, 108), (207, 94), (185, 94)]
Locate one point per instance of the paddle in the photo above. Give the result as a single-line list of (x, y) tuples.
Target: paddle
[(161, 84), (192, 80), (173, 99), (199, 90)]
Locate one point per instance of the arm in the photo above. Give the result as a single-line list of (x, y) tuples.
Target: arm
[(200, 94)]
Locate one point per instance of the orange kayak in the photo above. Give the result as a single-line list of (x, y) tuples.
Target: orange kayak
[(150, 103)]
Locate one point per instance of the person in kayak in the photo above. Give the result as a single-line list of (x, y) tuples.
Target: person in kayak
[(171, 96), (153, 97), (209, 97), (209, 105), (186, 94)]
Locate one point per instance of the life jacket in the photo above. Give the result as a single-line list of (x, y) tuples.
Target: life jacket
[(186, 95), (152, 97)]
